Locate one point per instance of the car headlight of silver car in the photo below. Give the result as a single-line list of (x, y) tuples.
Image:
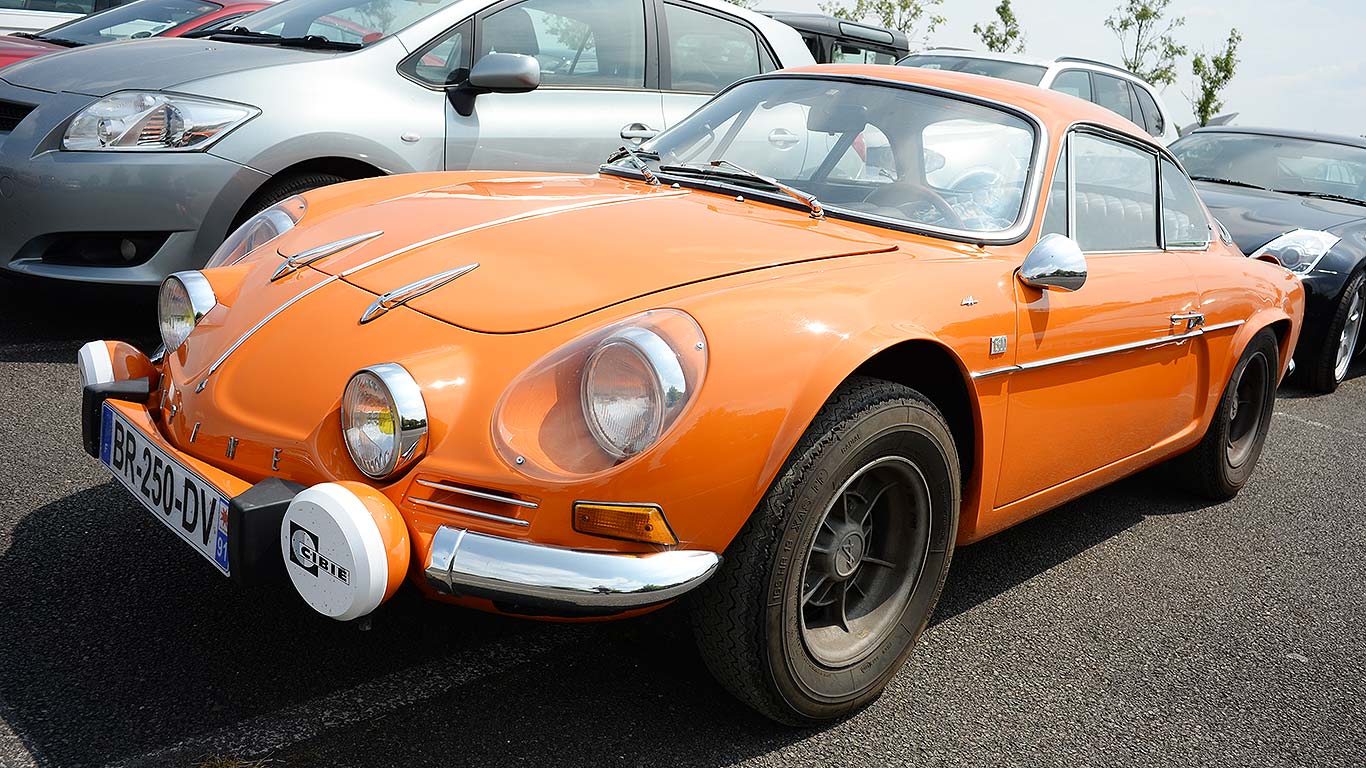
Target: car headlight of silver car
[(1300, 250), (148, 121), (384, 420), (184, 300), (257, 231), (604, 398)]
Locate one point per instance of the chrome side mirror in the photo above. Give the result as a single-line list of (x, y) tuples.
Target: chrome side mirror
[(495, 73), (1056, 261)]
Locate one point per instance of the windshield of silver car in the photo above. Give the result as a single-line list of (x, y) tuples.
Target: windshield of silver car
[(355, 22), (878, 151)]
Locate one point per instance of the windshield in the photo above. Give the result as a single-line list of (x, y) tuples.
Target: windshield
[(874, 150), (361, 22), (144, 18), (1029, 74), (1276, 162)]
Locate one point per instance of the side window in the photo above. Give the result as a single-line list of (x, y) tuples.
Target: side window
[(1073, 82), (444, 61), (1113, 94), (1156, 124), (708, 53), (582, 43), (1055, 216), (1183, 217), (1115, 191), (52, 6)]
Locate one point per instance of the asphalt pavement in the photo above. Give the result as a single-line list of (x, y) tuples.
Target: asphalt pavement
[(1134, 627)]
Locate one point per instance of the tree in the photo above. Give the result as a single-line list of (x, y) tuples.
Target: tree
[(1147, 47), (902, 15), (1003, 35), (1213, 71), (745, 3)]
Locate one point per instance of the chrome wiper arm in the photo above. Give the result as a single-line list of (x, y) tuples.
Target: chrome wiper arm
[(638, 160), (805, 198)]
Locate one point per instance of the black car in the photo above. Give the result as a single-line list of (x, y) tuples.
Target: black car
[(836, 41), (1300, 198)]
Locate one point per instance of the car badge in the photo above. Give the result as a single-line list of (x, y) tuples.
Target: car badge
[(998, 345), (232, 447), (969, 301)]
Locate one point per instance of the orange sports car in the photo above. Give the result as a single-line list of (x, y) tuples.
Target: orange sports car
[(781, 359)]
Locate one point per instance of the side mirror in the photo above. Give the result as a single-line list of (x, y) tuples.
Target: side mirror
[(495, 73), (1056, 262)]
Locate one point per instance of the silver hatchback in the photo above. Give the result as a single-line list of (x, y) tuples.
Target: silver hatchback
[(123, 163)]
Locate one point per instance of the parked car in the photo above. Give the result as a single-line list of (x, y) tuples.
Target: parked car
[(788, 398), (836, 41), (141, 19), (34, 15), (130, 161), (1114, 88), (1300, 199)]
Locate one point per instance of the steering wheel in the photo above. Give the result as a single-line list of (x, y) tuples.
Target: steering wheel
[(894, 195)]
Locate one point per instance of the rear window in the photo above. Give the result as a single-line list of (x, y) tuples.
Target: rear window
[(1029, 74)]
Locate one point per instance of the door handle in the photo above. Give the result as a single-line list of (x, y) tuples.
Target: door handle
[(1193, 320), (783, 138), (638, 132)]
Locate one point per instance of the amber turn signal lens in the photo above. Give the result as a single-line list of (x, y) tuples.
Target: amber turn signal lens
[(635, 522)]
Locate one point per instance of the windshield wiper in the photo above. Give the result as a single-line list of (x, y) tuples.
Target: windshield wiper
[(638, 160), (1321, 196), (25, 35), (317, 42), (1230, 182), (713, 169)]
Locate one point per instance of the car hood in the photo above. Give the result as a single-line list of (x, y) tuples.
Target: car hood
[(14, 49), (145, 64), (549, 249), (1256, 217)]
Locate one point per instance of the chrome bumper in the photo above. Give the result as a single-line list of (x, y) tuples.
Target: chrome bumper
[(536, 577)]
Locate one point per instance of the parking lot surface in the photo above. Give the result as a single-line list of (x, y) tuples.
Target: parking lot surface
[(1135, 626)]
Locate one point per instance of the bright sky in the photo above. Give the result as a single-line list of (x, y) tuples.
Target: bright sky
[(1302, 63)]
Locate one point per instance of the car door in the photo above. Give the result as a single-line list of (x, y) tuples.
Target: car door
[(702, 51), (595, 82), (1110, 370)]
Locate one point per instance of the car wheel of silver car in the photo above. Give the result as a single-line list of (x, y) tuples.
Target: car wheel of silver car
[(282, 188), (1333, 355), (1222, 463), (824, 592)]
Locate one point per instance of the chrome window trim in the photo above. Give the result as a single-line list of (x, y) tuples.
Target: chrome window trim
[(1209, 231), (1103, 351)]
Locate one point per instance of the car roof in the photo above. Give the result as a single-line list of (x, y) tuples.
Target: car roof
[(1328, 138), (1054, 109), (968, 53)]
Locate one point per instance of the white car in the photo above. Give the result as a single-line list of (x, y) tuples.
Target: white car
[(36, 15), (1112, 87)]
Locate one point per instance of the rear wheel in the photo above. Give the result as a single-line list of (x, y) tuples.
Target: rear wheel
[(1222, 463), (824, 592), (1327, 366)]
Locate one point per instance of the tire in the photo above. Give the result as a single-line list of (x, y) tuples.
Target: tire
[(282, 188), (1221, 464), (1326, 366), (789, 657)]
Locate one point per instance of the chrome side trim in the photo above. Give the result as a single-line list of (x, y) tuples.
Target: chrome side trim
[(400, 296), (300, 260), (557, 580), (1116, 349), (471, 512), (479, 494)]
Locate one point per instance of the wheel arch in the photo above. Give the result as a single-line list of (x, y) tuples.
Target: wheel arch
[(348, 168)]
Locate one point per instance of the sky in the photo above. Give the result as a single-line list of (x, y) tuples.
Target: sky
[(1302, 65)]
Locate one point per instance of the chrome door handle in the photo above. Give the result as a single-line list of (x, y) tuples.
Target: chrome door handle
[(638, 132), (1192, 320)]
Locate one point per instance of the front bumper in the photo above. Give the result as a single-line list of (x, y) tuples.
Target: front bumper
[(176, 206)]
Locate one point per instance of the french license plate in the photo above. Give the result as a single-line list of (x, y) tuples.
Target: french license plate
[(175, 495)]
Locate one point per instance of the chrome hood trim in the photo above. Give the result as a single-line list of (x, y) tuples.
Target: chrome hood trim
[(302, 259), (400, 296)]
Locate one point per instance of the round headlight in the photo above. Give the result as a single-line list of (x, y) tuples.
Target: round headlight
[(632, 382), (384, 419), (184, 299)]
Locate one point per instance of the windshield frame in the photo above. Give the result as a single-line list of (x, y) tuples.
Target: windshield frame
[(1029, 207), (1273, 136)]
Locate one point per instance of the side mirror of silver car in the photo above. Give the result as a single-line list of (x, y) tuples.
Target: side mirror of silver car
[(495, 73), (1056, 261)]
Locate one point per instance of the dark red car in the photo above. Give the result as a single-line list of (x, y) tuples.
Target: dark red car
[(144, 18)]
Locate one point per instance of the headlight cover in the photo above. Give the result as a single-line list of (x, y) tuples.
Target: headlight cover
[(1299, 250), (149, 121), (383, 419), (259, 230), (604, 398), (185, 298)]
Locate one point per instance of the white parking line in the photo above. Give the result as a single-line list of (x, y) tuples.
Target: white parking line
[(1320, 425), (264, 734)]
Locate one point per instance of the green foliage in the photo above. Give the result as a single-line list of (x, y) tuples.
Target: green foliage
[(1147, 46), (914, 17), (745, 3), (1002, 35), (1212, 72)]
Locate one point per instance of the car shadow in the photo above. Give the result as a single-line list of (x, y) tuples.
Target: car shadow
[(46, 321), (106, 620)]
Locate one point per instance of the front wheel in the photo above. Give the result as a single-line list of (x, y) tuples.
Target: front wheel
[(1327, 366), (824, 592)]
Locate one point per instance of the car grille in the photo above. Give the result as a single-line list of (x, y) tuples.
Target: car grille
[(448, 498), (12, 113)]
